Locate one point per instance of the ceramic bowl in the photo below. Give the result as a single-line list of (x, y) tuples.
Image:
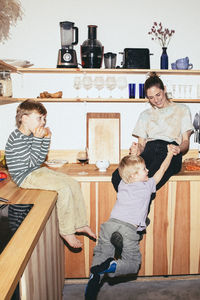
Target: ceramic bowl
[(102, 165)]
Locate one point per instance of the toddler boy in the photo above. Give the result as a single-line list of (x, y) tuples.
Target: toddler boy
[(117, 252)]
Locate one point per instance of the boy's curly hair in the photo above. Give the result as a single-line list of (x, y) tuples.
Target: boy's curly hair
[(27, 107), (129, 166)]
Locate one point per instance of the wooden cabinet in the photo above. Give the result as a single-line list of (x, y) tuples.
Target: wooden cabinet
[(34, 257), (171, 245), (43, 277)]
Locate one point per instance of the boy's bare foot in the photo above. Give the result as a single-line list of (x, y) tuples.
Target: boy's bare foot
[(72, 240), (88, 230)]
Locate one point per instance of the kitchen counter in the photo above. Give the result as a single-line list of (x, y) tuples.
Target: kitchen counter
[(17, 253), (172, 243), (92, 173), (174, 218)]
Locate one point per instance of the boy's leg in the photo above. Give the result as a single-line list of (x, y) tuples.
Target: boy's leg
[(103, 251), (81, 223), (131, 256), (47, 179), (104, 248)]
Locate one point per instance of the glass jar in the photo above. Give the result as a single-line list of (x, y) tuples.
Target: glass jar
[(5, 80)]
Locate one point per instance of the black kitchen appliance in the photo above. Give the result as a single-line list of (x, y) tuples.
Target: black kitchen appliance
[(136, 58), (69, 37), (92, 50)]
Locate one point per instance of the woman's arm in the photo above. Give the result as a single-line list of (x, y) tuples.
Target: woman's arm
[(184, 146), (138, 148)]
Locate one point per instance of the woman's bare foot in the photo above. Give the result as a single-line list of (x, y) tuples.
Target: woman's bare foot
[(72, 240), (88, 230)]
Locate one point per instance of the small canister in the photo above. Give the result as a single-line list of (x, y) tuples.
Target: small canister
[(5, 80), (1, 89)]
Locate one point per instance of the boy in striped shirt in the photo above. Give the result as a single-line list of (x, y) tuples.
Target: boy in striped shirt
[(26, 150)]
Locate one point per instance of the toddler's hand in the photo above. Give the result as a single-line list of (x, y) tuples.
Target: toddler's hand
[(173, 149)]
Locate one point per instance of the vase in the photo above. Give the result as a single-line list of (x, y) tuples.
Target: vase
[(164, 59)]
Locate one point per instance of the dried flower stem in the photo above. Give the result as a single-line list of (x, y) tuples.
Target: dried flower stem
[(10, 13), (160, 34)]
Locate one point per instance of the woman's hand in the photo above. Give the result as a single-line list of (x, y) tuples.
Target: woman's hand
[(134, 149), (174, 149)]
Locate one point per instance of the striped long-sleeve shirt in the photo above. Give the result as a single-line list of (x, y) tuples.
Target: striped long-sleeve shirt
[(24, 154)]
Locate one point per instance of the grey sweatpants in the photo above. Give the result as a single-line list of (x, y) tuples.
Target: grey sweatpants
[(131, 256)]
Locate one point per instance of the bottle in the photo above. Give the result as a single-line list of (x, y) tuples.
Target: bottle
[(6, 82), (164, 59), (92, 50)]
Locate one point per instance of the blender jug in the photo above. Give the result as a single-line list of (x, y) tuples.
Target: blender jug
[(67, 30), (69, 37)]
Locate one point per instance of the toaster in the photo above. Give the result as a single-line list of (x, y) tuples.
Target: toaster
[(136, 58)]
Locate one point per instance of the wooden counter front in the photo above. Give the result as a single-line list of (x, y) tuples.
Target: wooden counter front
[(170, 247), (172, 243), (30, 257)]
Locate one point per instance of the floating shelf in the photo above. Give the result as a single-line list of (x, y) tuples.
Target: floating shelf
[(107, 71), (4, 100)]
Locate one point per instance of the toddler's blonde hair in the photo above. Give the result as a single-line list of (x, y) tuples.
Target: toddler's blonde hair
[(129, 166)]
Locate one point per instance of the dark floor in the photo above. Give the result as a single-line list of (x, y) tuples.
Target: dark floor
[(175, 288)]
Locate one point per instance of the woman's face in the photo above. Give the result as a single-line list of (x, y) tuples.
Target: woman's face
[(157, 97)]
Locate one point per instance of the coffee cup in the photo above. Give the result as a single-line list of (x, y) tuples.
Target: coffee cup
[(173, 65), (102, 165), (183, 64)]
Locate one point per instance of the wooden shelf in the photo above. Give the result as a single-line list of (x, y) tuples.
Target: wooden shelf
[(107, 71), (4, 100)]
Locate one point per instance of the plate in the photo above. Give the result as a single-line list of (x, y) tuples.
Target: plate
[(18, 63), (55, 163)]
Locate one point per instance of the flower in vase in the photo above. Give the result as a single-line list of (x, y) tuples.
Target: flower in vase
[(161, 34)]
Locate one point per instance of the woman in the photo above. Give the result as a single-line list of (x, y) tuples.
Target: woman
[(164, 123)]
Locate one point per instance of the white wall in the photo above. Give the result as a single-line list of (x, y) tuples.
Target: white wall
[(121, 24)]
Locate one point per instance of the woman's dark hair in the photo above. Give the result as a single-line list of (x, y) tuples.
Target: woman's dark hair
[(153, 80)]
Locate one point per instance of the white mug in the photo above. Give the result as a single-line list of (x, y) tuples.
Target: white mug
[(102, 165)]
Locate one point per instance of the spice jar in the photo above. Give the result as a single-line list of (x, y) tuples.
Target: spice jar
[(6, 82)]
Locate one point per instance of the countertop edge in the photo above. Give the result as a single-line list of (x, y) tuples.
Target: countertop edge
[(15, 256)]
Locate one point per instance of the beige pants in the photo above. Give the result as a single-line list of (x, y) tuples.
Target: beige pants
[(70, 203)]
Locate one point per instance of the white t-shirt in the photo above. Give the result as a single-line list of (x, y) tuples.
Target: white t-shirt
[(167, 124)]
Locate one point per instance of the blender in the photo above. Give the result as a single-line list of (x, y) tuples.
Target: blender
[(69, 37)]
